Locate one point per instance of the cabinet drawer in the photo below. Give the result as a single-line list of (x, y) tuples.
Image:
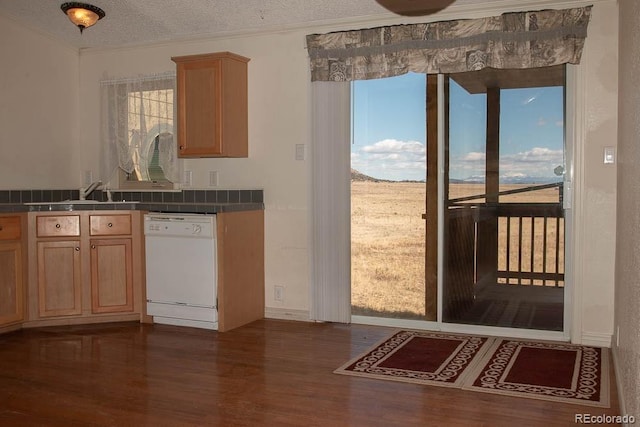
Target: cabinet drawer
[(105, 225), (54, 226), (10, 228)]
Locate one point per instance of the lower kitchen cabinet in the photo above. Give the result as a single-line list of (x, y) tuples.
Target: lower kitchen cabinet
[(12, 269), (111, 276), (240, 268), (111, 263), (59, 278), (85, 267)]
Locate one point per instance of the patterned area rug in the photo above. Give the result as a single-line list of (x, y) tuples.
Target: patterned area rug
[(552, 371), (420, 357), (544, 370)]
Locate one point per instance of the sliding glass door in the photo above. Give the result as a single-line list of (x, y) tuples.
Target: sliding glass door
[(456, 198)]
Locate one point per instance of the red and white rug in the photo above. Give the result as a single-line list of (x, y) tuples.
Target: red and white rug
[(552, 371), (419, 357)]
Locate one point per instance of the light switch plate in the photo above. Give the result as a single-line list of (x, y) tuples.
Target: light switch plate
[(609, 155), (300, 151)]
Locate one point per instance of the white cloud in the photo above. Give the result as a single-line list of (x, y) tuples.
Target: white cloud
[(400, 160), (392, 159), (535, 155), (542, 121), (472, 163), (537, 162), (474, 157), (395, 146), (513, 175)]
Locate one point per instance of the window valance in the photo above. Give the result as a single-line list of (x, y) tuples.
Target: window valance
[(511, 40)]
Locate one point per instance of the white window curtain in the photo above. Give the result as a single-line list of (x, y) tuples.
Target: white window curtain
[(331, 224), (136, 112)]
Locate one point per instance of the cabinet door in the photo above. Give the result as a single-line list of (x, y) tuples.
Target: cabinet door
[(212, 105), (111, 276), (59, 278), (11, 290), (199, 109)]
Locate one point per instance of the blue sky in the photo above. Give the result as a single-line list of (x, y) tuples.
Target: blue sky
[(389, 131)]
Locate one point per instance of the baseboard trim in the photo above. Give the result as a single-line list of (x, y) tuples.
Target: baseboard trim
[(621, 398), (40, 323), (596, 339), (286, 314), (10, 328)]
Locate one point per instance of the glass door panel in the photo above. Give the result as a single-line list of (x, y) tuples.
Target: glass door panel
[(503, 218), (388, 197)]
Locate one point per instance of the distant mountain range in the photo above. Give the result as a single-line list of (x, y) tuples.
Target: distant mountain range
[(359, 176)]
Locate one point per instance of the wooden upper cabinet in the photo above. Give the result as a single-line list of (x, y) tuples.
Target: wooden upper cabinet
[(212, 105)]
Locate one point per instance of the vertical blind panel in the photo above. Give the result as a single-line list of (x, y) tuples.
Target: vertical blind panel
[(331, 203)]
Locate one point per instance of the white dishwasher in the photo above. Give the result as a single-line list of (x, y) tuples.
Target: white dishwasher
[(182, 272)]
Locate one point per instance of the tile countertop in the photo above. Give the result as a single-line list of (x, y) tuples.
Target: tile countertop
[(200, 208), (187, 201)]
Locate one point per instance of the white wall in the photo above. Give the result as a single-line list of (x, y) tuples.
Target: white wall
[(278, 119), (627, 300), (38, 110), (279, 100), (596, 200)]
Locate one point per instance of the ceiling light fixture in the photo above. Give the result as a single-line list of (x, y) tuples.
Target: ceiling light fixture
[(81, 14)]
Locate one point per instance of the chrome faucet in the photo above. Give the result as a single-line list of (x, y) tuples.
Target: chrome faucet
[(84, 193)]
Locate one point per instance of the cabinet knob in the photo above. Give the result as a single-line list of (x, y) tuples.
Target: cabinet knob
[(57, 225), (110, 225), (93, 246), (182, 147), (77, 249)]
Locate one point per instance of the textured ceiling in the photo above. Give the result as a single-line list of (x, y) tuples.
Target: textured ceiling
[(130, 22)]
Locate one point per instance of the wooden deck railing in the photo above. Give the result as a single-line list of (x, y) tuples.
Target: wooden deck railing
[(514, 243), (531, 244)]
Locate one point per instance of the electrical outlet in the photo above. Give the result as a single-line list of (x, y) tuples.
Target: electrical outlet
[(188, 178), (278, 293), (213, 178)]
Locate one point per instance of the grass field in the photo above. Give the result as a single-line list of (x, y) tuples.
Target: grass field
[(387, 244)]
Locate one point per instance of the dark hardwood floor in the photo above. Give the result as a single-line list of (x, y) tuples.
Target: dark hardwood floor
[(276, 373)]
